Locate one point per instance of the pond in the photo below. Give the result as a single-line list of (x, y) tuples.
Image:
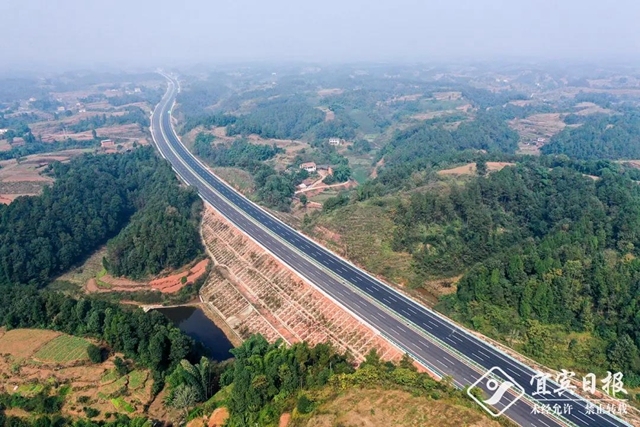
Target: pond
[(193, 322)]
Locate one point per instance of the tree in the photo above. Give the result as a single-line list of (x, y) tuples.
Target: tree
[(184, 397), (342, 173), (481, 167), (200, 377), (304, 200), (407, 363), (95, 353), (304, 405), (121, 366)]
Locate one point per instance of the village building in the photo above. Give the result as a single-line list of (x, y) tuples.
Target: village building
[(308, 166), (335, 141)]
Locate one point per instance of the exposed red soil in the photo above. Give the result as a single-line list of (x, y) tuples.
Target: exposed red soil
[(218, 417), (174, 283), (167, 284), (284, 419)]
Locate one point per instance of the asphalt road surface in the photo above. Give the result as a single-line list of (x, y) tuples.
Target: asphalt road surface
[(427, 336)]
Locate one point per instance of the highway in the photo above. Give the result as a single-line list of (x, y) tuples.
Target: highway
[(430, 338)]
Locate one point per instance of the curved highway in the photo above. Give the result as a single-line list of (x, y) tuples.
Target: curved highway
[(432, 340)]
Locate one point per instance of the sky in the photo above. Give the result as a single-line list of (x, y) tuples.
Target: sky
[(145, 33)]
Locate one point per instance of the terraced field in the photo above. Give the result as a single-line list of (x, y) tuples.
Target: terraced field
[(63, 349), (44, 358)]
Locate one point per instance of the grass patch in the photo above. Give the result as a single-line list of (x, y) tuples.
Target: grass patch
[(65, 286), (122, 405), (89, 269), (366, 232), (137, 379), (361, 174), (115, 388), (110, 376), (64, 349), (238, 178), (28, 390), (101, 283)]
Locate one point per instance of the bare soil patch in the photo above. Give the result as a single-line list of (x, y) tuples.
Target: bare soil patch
[(218, 417), (432, 114), (174, 282), (25, 178), (328, 92), (447, 96), (284, 419), (470, 168), (328, 114), (92, 276), (23, 343)]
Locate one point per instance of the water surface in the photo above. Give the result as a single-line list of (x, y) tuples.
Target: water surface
[(193, 322)]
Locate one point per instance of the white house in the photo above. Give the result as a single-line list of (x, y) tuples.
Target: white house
[(335, 141), (308, 166)]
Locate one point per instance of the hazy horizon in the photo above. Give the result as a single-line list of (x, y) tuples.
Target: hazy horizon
[(77, 34)]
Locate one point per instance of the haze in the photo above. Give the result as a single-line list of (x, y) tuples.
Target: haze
[(72, 33)]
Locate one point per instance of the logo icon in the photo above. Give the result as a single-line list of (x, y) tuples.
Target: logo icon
[(503, 389)]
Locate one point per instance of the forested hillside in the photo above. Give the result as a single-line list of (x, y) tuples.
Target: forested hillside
[(421, 143), (92, 199), (274, 189), (600, 137), (267, 379), (553, 249), (149, 339), (281, 118)]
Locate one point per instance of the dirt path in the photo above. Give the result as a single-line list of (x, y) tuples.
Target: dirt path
[(324, 187)]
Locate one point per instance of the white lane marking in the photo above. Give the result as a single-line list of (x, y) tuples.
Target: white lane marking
[(448, 360), (484, 354), (456, 337), (512, 371)]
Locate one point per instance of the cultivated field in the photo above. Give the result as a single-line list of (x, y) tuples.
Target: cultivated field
[(23, 343), (33, 359), (537, 126), (63, 349)]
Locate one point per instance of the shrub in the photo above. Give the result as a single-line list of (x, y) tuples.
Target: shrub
[(91, 412), (304, 405), (95, 353)]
